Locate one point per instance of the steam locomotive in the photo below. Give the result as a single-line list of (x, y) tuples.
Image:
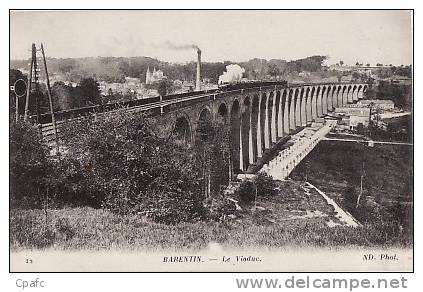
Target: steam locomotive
[(249, 84)]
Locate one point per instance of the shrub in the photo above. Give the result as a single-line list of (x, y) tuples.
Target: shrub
[(119, 160), (219, 206), (266, 186), (64, 229), (263, 184), (350, 198), (28, 166), (70, 185), (246, 192), (28, 228)]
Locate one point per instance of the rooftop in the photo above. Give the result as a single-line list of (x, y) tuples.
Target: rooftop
[(376, 101)]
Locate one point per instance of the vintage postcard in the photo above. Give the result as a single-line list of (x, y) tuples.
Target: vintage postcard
[(211, 141)]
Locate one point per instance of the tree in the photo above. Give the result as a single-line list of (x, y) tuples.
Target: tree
[(368, 65), (212, 154), (350, 198), (28, 166), (62, 96), (265, 185), (132, 169), (88, 92), (360, 128), (246, 192), (164, 87), (273, 70), (356, 76)]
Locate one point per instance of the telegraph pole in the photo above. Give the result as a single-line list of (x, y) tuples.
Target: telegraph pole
[(370, 119), (53, 120), (28, 93), (361, 185), (37, 86)]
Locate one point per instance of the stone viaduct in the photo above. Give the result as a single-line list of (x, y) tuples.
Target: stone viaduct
[(259, 117)]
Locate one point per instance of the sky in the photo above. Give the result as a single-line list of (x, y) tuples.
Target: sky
[(364, 36)]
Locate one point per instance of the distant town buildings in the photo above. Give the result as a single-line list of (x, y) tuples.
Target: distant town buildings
[(153, 77), (304, 74), (131, 86), (355, 120), (383, 104), (352, 116), (365, 71), (353, 111), (347, 68), (108, 88)]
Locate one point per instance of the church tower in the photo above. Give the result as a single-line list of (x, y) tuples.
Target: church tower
[(148, 76)]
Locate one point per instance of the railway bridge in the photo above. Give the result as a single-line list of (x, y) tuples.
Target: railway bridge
[(259, 117)]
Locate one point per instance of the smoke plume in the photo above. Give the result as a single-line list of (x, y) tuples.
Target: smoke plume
[(233, 73), (171, 46)]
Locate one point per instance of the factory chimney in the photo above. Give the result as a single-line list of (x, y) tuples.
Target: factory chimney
[(198, 80)]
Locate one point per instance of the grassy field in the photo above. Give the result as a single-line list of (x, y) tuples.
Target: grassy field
[(278, 222), (388, 169), (335, 167)]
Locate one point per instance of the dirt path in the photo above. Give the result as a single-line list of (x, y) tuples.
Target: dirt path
[(342, 215)]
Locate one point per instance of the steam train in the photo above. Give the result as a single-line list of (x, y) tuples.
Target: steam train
[(249, 84), (223, 87)]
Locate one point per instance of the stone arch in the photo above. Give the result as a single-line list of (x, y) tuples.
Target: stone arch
[(202, 138), (236, 149), (344, 95), (349, 94), (182, 130), (359, 89), (203, 118), (303, 104), (297, 95), (285, 101), (223, 112), (245, 132), (262, 103), (324, 100), (255, 128), (330, 98), (319, 101), (338, 96), (365, 87), (280, 113), (275, 114), (222, 177), (231, 106), (361, 92), (292, 100), (308, 104), (355, 93), (204, 114), (313, 102), (334, 96), (270, 98)]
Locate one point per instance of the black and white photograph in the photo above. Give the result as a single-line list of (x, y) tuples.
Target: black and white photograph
[(211, 141)]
